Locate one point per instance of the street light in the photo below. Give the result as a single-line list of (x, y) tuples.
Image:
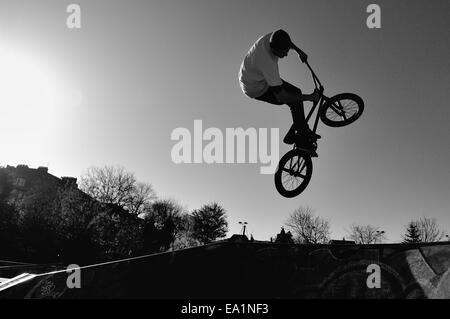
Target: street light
[(244, 226)]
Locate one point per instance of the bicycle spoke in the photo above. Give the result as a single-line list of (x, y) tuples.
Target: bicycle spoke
[(299, 164), (297, 183), (293, 173), (294, 168), (351, 105), (342, 110), (348, 103), (335, 109), (303, 167), (332, 115), (286, 177), (292, 182)]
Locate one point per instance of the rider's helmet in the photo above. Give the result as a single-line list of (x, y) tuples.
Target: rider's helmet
[(280, 41)]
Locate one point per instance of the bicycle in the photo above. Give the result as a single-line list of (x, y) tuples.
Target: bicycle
[(294, 170)]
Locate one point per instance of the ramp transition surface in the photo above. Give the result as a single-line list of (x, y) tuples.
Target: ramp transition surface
[(253, 270)]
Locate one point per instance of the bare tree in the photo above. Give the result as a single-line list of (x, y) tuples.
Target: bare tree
[(429, 230), (114, 185), (308, 228), (142, 195), (366, 234)]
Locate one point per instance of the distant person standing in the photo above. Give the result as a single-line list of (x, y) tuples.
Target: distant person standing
[(260, 79)]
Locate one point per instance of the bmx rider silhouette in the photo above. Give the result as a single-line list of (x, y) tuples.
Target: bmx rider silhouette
[(259, 78)]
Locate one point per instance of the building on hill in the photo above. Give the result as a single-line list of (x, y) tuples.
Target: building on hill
[(284, 237), (238, 238), (24, 178), (341, 242)]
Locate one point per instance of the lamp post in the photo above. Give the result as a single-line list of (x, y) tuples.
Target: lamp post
[(244, 224)]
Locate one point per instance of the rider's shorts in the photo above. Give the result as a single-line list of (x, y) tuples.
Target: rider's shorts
[(270, 97)]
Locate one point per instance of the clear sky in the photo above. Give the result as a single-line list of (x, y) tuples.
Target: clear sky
[(113, 91)]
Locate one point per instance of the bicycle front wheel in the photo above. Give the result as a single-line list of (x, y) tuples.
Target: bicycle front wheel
[(342, 109), (293, 174)]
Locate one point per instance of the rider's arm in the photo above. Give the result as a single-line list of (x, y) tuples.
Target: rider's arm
[(302, 55)]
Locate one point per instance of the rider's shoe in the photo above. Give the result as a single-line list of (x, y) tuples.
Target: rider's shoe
[(306, 134), (291, 136)]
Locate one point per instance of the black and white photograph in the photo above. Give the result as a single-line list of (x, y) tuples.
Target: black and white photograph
[(224, 155)]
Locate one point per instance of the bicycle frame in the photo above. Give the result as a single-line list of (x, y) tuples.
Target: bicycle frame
[(298, 162)]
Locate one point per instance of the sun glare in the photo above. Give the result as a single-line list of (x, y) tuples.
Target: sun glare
[(32, 105), (27, 88)]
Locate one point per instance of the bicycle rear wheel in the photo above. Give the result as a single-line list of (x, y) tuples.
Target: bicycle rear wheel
[(293, 174), (342, 109)]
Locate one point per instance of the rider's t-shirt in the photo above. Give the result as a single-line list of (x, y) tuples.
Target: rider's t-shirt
[(259, 70)]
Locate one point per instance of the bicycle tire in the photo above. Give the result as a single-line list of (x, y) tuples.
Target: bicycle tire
[(280, 179), (336, 109)]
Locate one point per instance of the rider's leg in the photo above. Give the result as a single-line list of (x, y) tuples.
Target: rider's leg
[(298, 114), (296, 105), (299, 127)]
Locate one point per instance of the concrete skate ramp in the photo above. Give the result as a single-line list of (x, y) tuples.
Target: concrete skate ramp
[(255, 270)]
